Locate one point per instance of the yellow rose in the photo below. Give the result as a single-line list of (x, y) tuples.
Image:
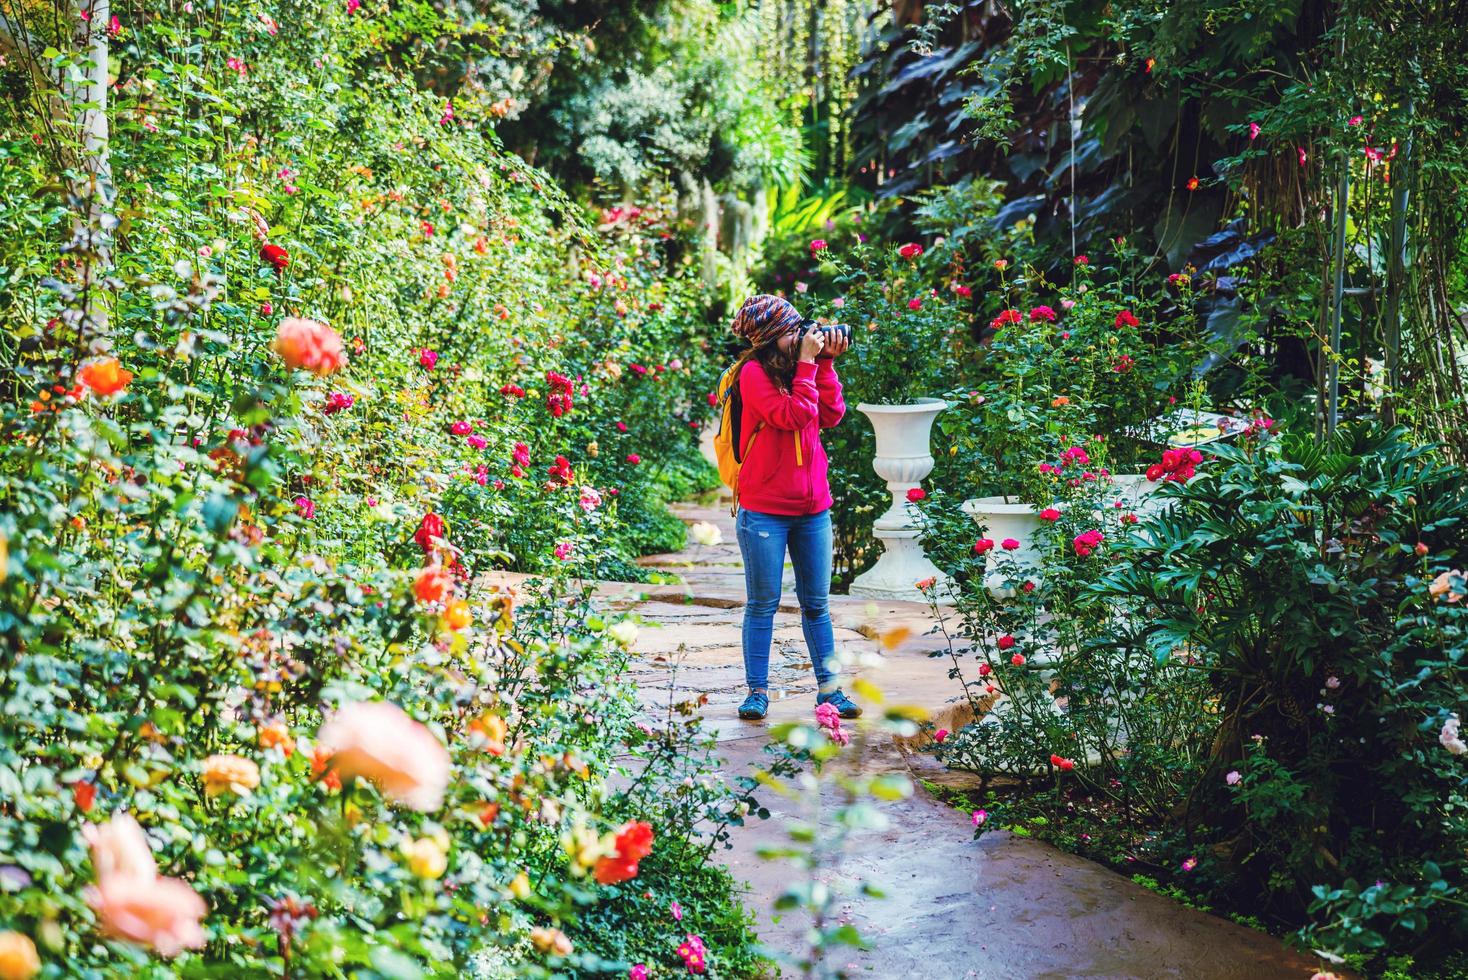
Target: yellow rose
[(520, 887), (18, 959), (230, 774), (426, 857)]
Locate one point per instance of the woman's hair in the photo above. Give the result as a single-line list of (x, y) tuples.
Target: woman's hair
[(779, 364)]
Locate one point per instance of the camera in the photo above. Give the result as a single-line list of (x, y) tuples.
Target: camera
[(831, 330)]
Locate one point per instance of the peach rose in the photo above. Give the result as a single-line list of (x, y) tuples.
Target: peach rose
[(309, 345), (377, 741), (119, 849), (550, 941), (230, 774), (163, 913), (18, 958), (131, 901)]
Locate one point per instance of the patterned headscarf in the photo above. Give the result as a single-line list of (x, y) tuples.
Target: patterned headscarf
[(763, 318)]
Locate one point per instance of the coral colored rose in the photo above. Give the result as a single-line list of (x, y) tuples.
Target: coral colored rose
[(105, 376), (1049, 514), (432, 585), (633, 843), (377, 741), (1063, 764), (1018, 660), (18, 957), (1009, 544), (276, 256), (309, 346), (230, 774), (916, 494), (83, 794), (983, 545)]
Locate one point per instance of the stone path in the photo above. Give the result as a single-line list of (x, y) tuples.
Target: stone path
[(1003, 907)]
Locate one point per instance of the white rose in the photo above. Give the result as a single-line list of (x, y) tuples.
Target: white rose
[(1450, 738), (624, 632), (706, 534)]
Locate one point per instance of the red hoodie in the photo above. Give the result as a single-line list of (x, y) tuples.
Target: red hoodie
[(784, 472)]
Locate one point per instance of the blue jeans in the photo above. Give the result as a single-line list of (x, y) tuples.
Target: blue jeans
[(763, 539)]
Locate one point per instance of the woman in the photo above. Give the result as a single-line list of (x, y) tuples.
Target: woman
[(789, 392)]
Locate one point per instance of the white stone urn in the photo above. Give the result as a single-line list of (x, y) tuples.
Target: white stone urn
[(1003, 518), (903, 460)]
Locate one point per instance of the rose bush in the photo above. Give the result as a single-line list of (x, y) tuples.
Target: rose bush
[(280, 394)]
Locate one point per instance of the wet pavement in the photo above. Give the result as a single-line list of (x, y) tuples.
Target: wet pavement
[(1001, 907)]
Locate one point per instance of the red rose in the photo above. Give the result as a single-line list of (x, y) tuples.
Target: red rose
[(910, 251), (1006, 642), (276, 256), (430, 527), (1061, 763), (1049, 514), (916, 494), (1125, 319), (983, 545)]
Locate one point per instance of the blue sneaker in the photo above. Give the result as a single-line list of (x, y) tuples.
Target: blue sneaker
[(845, 707), (755, 707)]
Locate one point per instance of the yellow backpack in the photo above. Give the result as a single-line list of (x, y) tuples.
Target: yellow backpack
[(726, 440)]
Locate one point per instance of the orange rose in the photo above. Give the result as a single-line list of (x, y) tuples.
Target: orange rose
[(634, 843), (230, 774), (18, 958), (275, 735), (432, 585), (494, 729), (377, 741), (309, 346), (457, 615), (105, 377)]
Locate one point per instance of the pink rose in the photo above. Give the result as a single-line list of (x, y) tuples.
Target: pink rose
[(377, 741), (1009, 544)]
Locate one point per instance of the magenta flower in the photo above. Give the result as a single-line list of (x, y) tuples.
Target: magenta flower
[(1009, 544), (427, 358), (306, 507), (676, 910)]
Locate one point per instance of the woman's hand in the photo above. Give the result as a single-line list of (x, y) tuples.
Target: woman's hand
[(837, 344), (812, 344)]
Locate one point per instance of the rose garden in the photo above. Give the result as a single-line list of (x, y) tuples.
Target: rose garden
[(368, 590)]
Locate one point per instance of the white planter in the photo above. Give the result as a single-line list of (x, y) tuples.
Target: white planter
[(1001, 518), (903, 459), (1134, 491)]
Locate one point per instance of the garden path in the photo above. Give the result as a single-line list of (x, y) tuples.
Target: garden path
[(1002, 907)]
